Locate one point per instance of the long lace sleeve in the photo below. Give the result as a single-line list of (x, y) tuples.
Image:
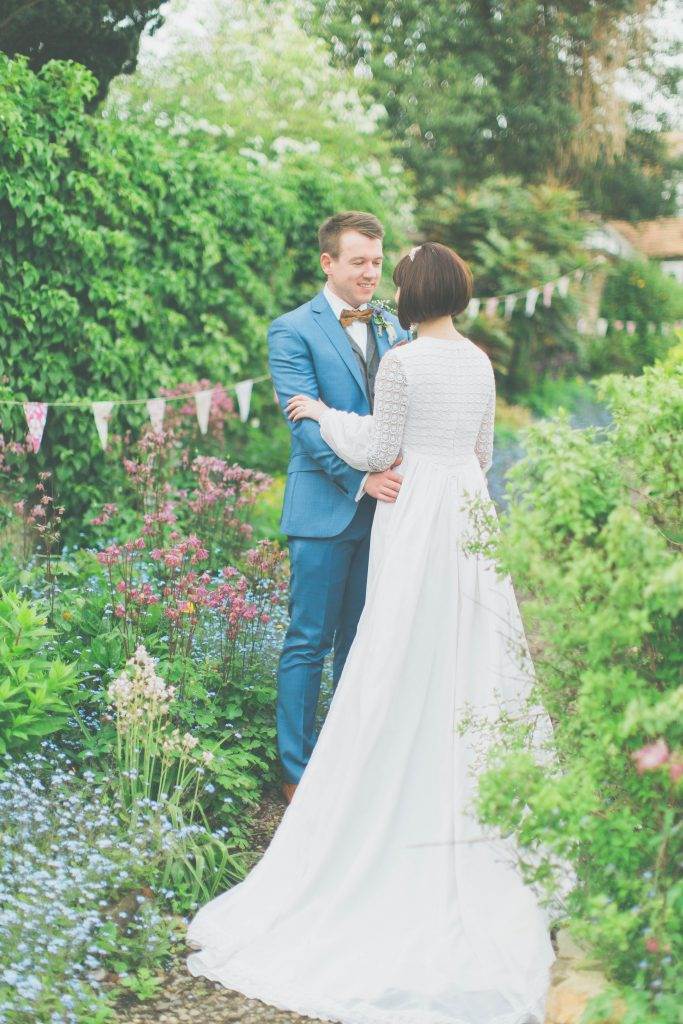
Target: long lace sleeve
[(372, 442), (483, 446)]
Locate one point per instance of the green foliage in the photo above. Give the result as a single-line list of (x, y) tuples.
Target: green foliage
[(593, 538), (132, 259), (515, 237), (103, 35), (636, 290), (639, 184), (35, 689), (249, 76), (476, 88)]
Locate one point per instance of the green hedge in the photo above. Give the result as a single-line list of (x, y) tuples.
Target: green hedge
[(131, 258)]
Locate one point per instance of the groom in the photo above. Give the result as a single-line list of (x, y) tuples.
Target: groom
[(329, 348)]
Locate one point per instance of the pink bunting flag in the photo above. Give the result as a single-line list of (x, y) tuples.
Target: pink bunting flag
[(491, 306), (618, 325), (548, 292), (36, 414), (156, 407), (102, 413), (202, 402), (630, 327)]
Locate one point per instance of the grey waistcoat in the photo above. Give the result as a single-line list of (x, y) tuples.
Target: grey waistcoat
[(369, 368)]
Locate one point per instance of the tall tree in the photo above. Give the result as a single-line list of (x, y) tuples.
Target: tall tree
[(103, 35), (483, 86)]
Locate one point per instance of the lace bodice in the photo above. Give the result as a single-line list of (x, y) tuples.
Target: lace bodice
[(433, 396)]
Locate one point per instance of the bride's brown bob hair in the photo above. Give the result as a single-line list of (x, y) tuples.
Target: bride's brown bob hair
[(435, 282)]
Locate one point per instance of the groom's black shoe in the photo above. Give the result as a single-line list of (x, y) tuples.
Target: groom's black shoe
[(288, 790)]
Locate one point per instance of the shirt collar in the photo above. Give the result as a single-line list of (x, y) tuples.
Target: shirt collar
[(338, 304)]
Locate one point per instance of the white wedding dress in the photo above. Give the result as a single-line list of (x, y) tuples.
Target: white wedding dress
[(380, 899)]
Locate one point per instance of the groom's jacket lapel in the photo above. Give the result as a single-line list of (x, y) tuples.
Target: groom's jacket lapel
[(334, 331)]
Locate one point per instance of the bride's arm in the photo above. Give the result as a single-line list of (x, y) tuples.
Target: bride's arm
[(483, 446), (372, 442)]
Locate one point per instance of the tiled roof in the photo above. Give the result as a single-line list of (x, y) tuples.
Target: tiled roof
[(660, 239)]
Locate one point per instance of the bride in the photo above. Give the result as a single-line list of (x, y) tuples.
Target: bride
[(380, 899)]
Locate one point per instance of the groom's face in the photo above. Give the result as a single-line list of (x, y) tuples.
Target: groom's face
[(355, 273)]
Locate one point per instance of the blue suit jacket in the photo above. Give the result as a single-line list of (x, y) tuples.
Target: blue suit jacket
[(309, 353)]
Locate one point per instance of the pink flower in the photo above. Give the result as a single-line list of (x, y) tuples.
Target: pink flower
[(675, 769), (652, 945), (651, 756), (120, 611)]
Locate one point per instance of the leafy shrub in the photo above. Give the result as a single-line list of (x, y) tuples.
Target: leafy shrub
[(640, 291), (36, 690), (132, 259), (593, 537)]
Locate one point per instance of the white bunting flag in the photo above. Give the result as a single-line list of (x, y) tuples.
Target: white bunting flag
[(102, 413), (578, 275), (36, 414), (243, 390), (491, 306), (548, 292), (510, 303), (202, 402), (581, 325), (601, 325), (156, 407), (563, 286), (531, 300), (473, 308)]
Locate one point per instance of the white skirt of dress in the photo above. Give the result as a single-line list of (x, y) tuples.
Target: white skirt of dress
[(380, 899)]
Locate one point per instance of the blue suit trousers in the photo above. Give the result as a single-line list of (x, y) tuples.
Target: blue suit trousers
[(326, 598)]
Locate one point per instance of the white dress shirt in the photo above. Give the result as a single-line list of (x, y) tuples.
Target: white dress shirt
[(359, 332)]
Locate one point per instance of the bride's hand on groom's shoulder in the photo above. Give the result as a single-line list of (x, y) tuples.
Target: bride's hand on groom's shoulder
[(301, 407)]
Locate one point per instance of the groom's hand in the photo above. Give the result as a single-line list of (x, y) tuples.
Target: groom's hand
[(386, 485)]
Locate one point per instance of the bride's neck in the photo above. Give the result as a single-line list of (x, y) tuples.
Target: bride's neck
[(441, 327)]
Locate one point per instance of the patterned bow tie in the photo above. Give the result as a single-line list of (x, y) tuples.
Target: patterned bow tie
[(347, 316)]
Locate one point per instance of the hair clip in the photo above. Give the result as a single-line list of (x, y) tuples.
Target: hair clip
[(412, 252)]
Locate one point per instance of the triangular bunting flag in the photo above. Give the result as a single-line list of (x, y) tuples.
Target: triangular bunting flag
[(36, 414), (491, 306), (473, 308), (563, 286), (510, 303), (618, 325), (102, 413), (630, 327), (601, 325), (578, 275), (531, 299), (156, 407), (243, 390), (202, 402), (548, 292), (581, 325)]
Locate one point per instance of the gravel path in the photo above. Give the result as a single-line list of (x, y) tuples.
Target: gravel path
[(184, 999)]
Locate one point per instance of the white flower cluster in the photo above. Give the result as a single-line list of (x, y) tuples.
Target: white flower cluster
[(138, 691)]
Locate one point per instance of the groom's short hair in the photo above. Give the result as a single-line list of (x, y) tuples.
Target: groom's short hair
[(330, 231), (434, 281)]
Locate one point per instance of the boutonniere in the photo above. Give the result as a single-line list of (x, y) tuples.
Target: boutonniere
[(383, 325)]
